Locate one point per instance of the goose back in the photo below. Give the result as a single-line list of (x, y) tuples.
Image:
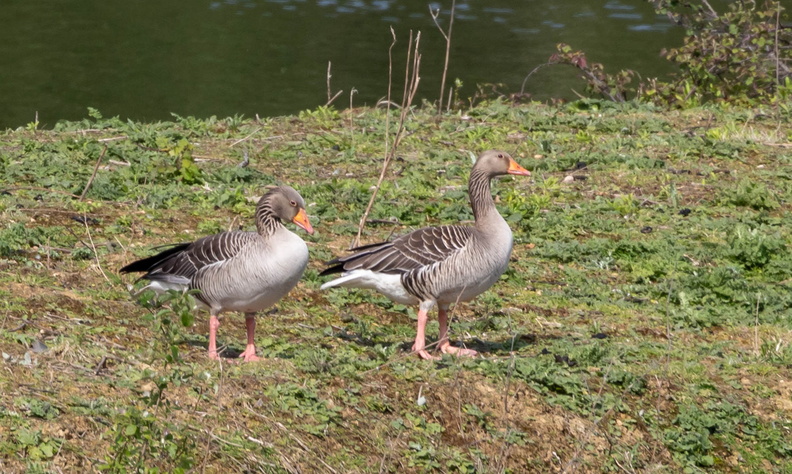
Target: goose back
[(443, 264), (406, 253), (179, 264)]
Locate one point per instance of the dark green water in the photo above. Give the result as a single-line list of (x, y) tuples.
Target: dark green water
[(145, 59)]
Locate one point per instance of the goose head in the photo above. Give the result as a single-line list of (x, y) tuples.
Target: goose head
[(287, 204), (497, 163)]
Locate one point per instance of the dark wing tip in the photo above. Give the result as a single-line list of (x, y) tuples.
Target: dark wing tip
[(133, 267), (149, 263), (335, 267)]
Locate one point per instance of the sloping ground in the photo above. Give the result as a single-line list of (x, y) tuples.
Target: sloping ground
[(644, 324)]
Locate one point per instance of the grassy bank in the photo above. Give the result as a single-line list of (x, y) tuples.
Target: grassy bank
[(644, 323)]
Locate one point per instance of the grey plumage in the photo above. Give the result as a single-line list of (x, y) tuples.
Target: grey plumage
[(414, 250), (237, 271), (438, 265), (180, 266), (414, 256)]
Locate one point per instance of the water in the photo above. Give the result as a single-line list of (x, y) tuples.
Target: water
[(146, 59)]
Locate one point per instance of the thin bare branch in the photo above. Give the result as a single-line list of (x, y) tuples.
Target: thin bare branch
[(522, 88), (332, 99), (330, 96), (93, 248), (351, 95), (411, 80), (329, 75), (237, 142), (447, 36), (712, 11), (93, 175)]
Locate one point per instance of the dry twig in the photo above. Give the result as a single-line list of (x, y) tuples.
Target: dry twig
[(93, 247), (237, 142), (411, 80), (447, 36), (330, 96), (93, 175)]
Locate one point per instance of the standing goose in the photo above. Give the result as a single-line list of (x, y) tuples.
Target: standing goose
[(439, 265), (237, 271)]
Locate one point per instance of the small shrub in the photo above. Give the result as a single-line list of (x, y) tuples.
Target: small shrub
[(613, 87), (752, 247), (699, 432), (740, 55), (37, 408), (752, 194), (33, 445), (16, 238), (743, 55)]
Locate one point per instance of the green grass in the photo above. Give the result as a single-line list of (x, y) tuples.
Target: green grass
[(644, 323)]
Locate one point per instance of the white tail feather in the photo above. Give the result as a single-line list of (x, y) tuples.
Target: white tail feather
[(340, 281), (389, 284)]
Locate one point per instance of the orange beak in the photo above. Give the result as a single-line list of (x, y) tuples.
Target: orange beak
[(301, 219), (514, 168)]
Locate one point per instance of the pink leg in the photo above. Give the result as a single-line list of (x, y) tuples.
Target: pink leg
[(420, 337), (214, 323), (249, 355), (445, 344), (442, 318)]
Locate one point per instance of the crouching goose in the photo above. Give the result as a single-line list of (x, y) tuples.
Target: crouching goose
[(237, 271), (439, 265)]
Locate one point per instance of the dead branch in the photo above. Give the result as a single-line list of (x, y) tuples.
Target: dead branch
[(93, 175), (522, 88), (330, 96), (447, 36), (237, 142), (411, 80), (93, 248)]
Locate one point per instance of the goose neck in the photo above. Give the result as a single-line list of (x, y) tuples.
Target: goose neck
[(266, 221), (481, 196)]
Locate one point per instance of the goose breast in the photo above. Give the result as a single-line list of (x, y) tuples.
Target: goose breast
[(472, 271), (258, 276)]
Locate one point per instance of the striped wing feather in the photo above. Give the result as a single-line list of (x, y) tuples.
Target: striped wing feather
[(178, 266), (417, 249)]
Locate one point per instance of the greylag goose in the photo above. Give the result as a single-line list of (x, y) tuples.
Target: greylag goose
[(439, 265), (237, 271)]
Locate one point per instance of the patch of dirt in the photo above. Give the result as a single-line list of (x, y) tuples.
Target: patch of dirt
[(783, 401), (529, 434)]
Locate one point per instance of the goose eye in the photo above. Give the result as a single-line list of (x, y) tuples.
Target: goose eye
[(500, 155), (293, 203)]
